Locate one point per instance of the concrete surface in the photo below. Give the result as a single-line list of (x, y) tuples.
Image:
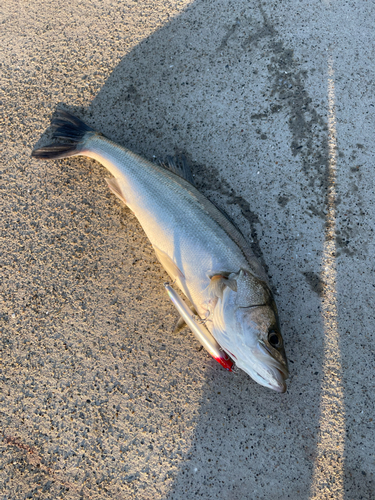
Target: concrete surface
[(273, 105)]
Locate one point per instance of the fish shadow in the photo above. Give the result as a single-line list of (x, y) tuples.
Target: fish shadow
[(164, 100), (200, 87)]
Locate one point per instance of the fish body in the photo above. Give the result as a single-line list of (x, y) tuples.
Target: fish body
[(202, 251)]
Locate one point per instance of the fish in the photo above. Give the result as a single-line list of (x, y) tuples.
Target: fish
[(198, 245)]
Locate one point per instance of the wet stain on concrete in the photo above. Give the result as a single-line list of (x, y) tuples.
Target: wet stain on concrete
[(343, 242), (315, 282), (267, 30), (282, 200), (308, 130), (228, 35), (316, 212)]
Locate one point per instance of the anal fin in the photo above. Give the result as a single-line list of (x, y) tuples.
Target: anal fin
[(115, 188)]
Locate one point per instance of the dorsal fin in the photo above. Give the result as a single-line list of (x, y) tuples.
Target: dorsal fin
[(180, 167)]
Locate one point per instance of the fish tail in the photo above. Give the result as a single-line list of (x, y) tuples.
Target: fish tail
[(65, 126)]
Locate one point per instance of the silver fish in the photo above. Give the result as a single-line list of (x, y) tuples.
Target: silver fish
[(199, 247)]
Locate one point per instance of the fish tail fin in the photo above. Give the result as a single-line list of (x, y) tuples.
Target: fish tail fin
[(65, 126)]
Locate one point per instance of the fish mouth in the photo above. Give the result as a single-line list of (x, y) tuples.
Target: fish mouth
[(281, 386), (266, 370), (277, 384)]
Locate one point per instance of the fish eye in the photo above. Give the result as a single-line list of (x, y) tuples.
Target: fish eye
[(274, 338)]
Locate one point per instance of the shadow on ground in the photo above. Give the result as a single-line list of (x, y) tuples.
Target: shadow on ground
[(233, 91), (218, 86)]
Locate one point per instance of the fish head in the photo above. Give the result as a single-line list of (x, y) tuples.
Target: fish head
[(247, 327), (262, 354)]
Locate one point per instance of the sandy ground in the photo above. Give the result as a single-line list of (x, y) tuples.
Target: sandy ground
[(272, 104)]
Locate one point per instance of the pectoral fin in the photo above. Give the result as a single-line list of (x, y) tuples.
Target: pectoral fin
[(114, 186), (219, 282), (168, 264)]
